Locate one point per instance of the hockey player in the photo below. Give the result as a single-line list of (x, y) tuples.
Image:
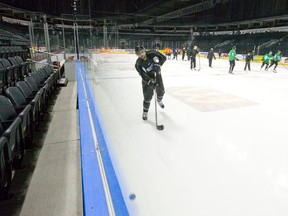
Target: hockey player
[(183, 53), (210, 56), (277, 57), (148, 66), (193, 54), (175, 53), (248, 58), (266, 59), (232, 58), (219, 53)]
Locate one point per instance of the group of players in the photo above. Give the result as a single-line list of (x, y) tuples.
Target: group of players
[(149, 65), (268, 60)]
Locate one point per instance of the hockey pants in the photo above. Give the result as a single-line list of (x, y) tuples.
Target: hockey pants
[(193, 63), (272, 63), (232, 65), (148, 92), (210, 62), (265, 64), (247, 64)]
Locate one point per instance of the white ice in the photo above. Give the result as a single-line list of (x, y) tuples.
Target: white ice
[(224, 149)]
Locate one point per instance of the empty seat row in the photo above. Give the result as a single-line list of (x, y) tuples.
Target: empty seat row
[(10, 51), (21, 109), (5, 167), (13, 127), (12, 70)]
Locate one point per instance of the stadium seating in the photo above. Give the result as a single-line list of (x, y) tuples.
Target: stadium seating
[(5, 167), (39, 90), (17, 69), (9, 73), (24, 96), (25, 65), (2, 78), (11, 123), (35, 101), (29, 113)]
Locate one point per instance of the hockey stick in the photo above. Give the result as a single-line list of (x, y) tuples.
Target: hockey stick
[(159, 127), (199, 63), (284, 67)]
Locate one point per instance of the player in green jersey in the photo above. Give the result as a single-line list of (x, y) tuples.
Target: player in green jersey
[(277, 57)]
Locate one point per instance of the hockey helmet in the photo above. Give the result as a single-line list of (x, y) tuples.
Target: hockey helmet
[(234, 47), (139, 48)]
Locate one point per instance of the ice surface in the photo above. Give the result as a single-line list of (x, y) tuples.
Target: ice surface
[(224, 149)]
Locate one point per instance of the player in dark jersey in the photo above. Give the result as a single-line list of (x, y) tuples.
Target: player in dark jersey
[(248, 59), (192, 55), (210, 56), (148, 66)]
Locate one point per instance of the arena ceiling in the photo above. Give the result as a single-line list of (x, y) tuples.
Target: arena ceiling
[(155, 16)]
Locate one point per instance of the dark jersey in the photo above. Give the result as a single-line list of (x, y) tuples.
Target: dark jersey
[(193, 54), (147, 68), (248, 58), (211, 55)]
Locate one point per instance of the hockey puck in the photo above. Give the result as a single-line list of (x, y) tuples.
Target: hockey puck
[(132, 196)]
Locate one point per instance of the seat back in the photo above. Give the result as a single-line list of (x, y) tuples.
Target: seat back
[(2, 77), (19, 59), (36, 102), (1, 129), (5, 171), (25, 89), (23, 66), (16, 146), (8, 115), (7, 111), (3, 142), (42, 92), (48, 69), (43, 73), (17, 70), (16, 96), (9, 70), (4, 52), (31, 83), (36, 78)]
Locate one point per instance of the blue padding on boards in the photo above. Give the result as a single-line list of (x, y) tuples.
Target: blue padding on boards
[(115, 191), (116, 194), (80, 86), (93, 193), (94, 201)]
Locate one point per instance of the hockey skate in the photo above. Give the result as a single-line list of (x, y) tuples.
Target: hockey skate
[(145, 116), (160, 103)]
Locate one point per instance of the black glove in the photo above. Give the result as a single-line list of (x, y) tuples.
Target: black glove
[(157, 69), (152, 83)]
